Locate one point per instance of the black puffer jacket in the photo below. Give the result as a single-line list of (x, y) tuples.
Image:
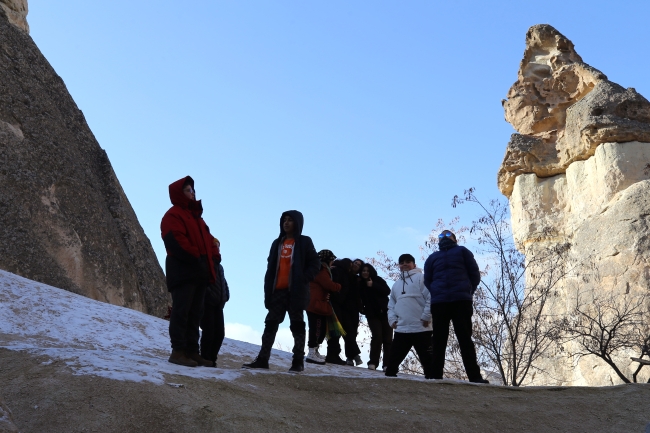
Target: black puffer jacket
[(340, 276), (375, 298), (218, 293), (451, 274), (305, 264)]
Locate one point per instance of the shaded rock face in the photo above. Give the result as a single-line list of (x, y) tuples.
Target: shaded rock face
[(578, 172), (64, 218), (16, 11)]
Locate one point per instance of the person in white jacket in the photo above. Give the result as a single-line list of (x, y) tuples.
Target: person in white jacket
[(410, 317)]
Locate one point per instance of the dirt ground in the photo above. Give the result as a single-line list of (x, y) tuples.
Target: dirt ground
[(49, 398)]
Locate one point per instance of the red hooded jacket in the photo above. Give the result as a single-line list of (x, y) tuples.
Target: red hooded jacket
[(187, 239)]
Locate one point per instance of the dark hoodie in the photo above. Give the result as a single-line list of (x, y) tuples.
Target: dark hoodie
[(305, 264), (187, 239)]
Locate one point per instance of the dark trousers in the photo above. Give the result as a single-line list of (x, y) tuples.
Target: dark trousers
[(187, 309), (351, 327), (317, 329), (213, 332), (381, 335), (350, 323), (333, 343), (402, 344), (279, 306), (460, 314)]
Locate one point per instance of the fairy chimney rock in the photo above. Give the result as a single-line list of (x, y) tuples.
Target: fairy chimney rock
[(64, 218), (578, 170)]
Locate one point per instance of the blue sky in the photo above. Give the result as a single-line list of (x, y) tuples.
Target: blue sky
[(366, 116)]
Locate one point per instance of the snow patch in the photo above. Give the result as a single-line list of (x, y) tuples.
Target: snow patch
[(96, 338)]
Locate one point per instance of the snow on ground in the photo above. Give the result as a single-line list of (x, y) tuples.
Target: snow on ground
[(95, 338)]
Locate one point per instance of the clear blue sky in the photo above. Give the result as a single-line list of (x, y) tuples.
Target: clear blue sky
[(367, 116)]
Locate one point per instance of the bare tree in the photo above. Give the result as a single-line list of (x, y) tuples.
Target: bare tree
[(513, 326), (512, 303), (609, 325)]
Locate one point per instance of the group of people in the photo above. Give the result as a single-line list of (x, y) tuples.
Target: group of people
[(334, 292)]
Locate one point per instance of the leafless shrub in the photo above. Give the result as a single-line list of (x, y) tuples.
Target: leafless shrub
[(608, 324), (516, 327)]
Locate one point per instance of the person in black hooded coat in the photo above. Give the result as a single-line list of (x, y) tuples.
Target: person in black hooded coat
[(292, 264)]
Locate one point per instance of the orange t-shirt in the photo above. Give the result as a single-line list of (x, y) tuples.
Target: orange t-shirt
[(285, 264)]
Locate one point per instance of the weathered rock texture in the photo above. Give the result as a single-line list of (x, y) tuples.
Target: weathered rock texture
[(16, 11), (64, 218), (579, 173), (6, 419)]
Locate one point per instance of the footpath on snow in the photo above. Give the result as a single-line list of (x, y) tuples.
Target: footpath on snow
[(69, 363)]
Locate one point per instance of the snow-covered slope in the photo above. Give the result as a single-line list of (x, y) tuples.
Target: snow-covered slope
[(101, 339)]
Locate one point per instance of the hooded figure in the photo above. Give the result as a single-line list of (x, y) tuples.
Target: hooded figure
[(187, 239), (305, 264), (292, 264), (189, 268)]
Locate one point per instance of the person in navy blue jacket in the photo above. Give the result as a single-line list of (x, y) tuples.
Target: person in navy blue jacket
[(452, 276)]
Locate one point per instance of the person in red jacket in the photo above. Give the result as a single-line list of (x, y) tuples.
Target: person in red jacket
[(189, 268), (319, 308)]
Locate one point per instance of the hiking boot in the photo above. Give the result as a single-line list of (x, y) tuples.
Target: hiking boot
[(357, 360), (372, 367), (335, 360), (178, 357), (258, 363), (349, 362), (313, 358), (297, 366), (480, 380), (201, 362)]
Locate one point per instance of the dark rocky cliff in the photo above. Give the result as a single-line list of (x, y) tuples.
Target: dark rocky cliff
[(64, 218)]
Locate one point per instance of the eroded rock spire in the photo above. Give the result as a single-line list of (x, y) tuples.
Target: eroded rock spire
[(563, 109)]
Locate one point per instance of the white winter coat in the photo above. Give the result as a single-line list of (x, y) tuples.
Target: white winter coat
[(410, 303)]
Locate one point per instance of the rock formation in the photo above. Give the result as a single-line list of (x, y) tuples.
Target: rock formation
[(16, 11), (578, 172), (64, 218)]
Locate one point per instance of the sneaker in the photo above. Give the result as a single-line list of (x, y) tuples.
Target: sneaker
[(350, 362), (297, 366), (335, 360), (357, 360), (201, 362), (313, 358), (372, 367), (384, 368), (178, 357), (258, 363), (319, 356)]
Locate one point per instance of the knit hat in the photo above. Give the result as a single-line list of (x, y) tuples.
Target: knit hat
[(326, 256)]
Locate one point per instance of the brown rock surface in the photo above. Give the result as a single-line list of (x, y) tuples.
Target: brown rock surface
[(281, 402), (16, 11), (6, 419), (64, 218)]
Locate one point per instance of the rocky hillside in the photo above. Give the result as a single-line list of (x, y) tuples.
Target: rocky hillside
[(68, 363), (64, 217)]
